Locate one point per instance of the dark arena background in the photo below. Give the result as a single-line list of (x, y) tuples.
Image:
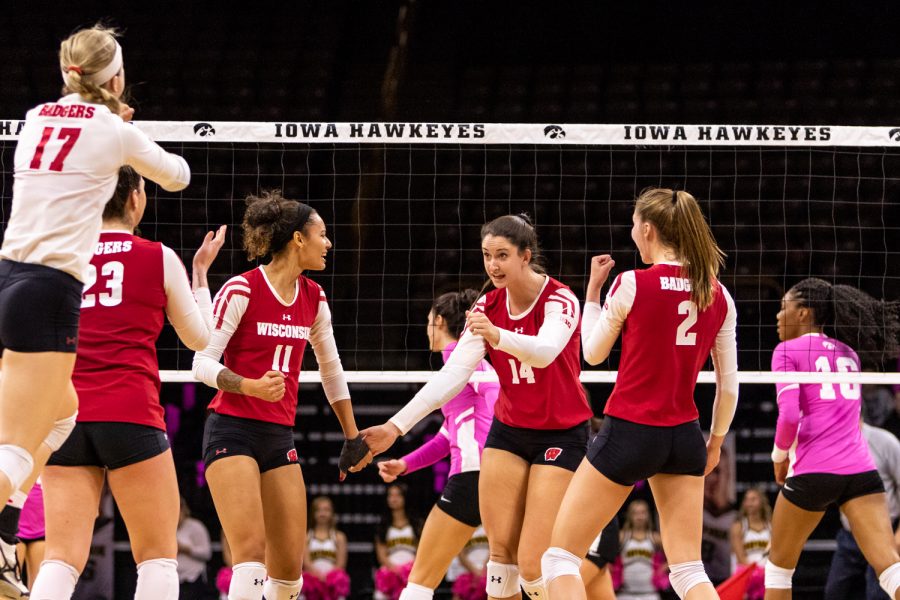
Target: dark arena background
[(786, 198)]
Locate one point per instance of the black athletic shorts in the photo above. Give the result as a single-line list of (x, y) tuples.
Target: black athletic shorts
[(39, 308), (817, 491), (109, 445), (460, 498), (271, 445), (627, 452), (606, 548), (554, 447)]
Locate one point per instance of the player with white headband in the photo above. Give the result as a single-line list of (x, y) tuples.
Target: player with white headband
[(66, 166)]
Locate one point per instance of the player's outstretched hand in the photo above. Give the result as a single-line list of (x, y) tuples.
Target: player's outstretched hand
[(391, 469), (269, 387), (125, 112), (380, 437), (601, 265), (209, 249), (354, 457), (781, 470)]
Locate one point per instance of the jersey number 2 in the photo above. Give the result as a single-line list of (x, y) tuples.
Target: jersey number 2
[(69, 134), (682, 337), (116, 273)]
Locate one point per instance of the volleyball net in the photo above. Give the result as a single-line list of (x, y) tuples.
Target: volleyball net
[(404, 204)]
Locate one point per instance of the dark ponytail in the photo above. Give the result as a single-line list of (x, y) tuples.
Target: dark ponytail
[(129, 181), (452, 307), (868, 325)]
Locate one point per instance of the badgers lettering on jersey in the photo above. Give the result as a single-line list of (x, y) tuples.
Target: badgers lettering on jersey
[(675, 284), (112, 247), (75, 111), (296, 332)]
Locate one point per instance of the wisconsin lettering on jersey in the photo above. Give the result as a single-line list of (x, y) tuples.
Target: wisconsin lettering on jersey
[(296, 332), (675, 284), (75, 111)]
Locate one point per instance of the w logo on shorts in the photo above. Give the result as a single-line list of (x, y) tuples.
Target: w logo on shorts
[(551, 454), (292, 455)]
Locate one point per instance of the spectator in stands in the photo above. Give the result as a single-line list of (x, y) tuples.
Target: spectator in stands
[(641, 568), (396, 540), (750, 537), (718, 516), (194, 550), (326, 555), (849, 570)]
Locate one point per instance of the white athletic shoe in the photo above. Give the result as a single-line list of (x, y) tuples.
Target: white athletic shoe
[(11, 585)]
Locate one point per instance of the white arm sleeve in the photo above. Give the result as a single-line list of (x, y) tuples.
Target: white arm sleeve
[(601, 327), (168, 170), (190, 314), (228, 309), (445, 384), (560, 320), (331, 371), (724, 359)]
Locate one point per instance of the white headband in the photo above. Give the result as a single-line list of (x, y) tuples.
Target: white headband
[(110, 70)]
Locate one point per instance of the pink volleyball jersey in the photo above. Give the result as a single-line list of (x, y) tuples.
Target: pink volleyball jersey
[(122, 311), (467, 420), (31, 521), (531, 397), (665, 342), (823, 418), (271, 336)]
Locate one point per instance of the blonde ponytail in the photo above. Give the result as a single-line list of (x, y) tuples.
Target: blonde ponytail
[(84, 54)]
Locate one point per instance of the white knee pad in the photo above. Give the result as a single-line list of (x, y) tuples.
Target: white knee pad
[(778, 578), (60, 432), (684, 576), (414, 591), (534, 590), (16, 463), (502, 580), (557, 562), (247, 580), (55, 579), (890, 580), (280, 589), (157, 580)]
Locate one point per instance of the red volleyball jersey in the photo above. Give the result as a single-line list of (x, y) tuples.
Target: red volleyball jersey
[(270, 336), (122, 311), (531, 397), (665, 342)]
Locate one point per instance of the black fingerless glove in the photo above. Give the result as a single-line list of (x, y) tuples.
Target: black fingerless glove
[(353, 451)]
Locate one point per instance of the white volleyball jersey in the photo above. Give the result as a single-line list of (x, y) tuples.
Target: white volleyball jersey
[(756, 543), (66, 167)]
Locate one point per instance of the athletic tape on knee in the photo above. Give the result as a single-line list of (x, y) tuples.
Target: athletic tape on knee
[(890, 580), (535, 590), (414, 591), (684, 576), (60, 432), (557, 562), (157, 580), (281, 589), (502, 580), (16, 463), (247, 581), (55, 579), (778, 578)]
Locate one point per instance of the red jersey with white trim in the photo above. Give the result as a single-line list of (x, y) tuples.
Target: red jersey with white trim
[(122, 311), (271, 336), (665, 342), (532, 397)]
